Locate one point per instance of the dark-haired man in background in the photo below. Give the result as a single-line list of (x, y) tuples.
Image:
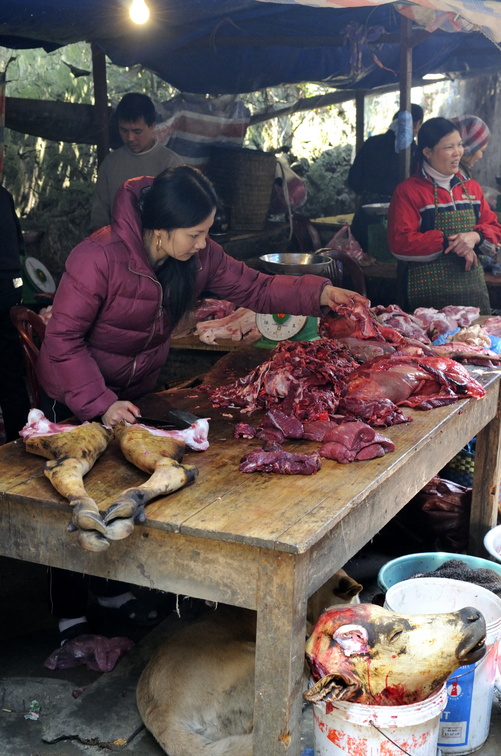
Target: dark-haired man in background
[(140, 155)]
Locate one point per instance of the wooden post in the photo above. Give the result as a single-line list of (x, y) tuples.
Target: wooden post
[(405, 86), (100, 102), (359, 119)]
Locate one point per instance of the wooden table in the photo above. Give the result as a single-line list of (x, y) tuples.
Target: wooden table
[(266, 542)]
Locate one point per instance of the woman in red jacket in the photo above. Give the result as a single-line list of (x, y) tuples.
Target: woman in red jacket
[(438, 224), (127, 285)]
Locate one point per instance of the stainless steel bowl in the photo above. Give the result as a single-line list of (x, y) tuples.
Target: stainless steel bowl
[(295, 263), (377, 208)]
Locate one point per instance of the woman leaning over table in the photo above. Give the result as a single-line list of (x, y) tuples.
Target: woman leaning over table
[(129, 284), (123, 291), (438, 222)]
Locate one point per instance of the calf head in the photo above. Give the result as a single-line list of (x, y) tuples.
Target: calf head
[(370, 655)]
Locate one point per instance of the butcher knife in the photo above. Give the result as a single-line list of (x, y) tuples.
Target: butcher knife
[(174, 418)]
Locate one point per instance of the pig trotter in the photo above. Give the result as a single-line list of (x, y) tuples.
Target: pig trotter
[(86, 516), (120, 528), (91, 540), (129, 504)]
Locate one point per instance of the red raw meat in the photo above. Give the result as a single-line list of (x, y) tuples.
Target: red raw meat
[(376, 412), (356, 440), (284, 463), (301, 378), (407, 325), (289, 425), (243, 430), (422, 382)]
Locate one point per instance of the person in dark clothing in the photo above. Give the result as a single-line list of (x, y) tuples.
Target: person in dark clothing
[(376, 172), (14, 399)]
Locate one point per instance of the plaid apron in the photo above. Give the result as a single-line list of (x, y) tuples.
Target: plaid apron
[(445, 281)]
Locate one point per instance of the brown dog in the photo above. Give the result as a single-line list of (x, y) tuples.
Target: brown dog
[(196, 695)]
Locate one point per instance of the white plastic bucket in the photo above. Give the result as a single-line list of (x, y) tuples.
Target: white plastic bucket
[(352, 728), (465, 722)]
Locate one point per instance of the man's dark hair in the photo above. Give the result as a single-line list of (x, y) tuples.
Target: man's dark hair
[(134, 106), (417, 113)]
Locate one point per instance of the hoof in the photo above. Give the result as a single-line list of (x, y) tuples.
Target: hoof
[(91, 540), (120, 528), (86, 519), (121, 509)]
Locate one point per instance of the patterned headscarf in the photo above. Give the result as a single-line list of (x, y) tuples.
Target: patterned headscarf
[(474, 133)]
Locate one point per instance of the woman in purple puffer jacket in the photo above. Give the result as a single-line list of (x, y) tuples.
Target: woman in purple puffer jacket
[(127, 286)]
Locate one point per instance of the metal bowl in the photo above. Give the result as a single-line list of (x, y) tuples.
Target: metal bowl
[(295, 263), (377, 208)]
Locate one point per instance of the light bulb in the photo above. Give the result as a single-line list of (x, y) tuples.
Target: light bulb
[(139, 12)]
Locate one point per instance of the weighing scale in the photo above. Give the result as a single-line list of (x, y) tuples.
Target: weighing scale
[(280, 327), (37, 282)]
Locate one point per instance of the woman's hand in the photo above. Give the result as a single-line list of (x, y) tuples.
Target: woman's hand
[(462, 245), (119, 411), (333, 295)]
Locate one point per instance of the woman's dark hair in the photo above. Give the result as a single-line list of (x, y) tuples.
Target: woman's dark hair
[(179, 197), (429, 135)]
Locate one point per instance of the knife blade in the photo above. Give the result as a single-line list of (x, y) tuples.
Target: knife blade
[(156, 422), (175, 418)]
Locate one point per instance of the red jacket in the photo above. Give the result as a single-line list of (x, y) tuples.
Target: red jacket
[(108, 336), (411, 217)]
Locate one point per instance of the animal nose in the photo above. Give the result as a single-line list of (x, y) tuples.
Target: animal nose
[(470, 614)]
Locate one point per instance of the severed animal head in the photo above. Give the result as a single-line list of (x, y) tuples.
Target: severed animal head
[(367, 654)]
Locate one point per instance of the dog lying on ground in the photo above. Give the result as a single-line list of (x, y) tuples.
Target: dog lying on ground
[(196, 695)]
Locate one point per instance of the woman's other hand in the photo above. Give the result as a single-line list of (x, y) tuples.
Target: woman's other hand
[(463, 246), (333, 295), (119, 411)]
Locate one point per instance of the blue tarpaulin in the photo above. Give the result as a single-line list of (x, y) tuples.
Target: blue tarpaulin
[(236, 46)]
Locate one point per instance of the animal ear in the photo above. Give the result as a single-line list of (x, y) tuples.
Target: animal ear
[(334, 687), (348, 588)]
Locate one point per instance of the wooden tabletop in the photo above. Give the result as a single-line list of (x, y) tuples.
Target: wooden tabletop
[(272, 511), (261, 541)]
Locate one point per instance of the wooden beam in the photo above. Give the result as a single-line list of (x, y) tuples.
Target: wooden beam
[(100, 102), (359, 118), (405, 85)]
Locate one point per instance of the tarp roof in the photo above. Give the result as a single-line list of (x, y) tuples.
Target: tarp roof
[(236, 46)]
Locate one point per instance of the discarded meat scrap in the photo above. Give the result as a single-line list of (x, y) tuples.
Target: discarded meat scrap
[(370, 655), (159, 453), (73, 450), (280, 461)]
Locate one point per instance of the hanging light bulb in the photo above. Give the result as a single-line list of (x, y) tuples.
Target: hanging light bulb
[(139, 12)]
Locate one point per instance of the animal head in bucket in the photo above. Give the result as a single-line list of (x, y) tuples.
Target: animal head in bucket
[(370, 655)]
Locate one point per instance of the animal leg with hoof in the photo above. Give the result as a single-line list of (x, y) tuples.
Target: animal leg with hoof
[(168, 476), (66, 475)]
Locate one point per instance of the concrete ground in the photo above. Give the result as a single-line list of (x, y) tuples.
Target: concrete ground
[(105, 703)]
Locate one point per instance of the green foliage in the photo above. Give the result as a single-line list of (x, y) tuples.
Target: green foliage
[(326, 183)]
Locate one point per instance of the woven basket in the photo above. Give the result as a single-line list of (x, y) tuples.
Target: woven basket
[(243, 180)]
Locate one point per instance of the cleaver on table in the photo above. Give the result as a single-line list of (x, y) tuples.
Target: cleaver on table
[(174, 418)]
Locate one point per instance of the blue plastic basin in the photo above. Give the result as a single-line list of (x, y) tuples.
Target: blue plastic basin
[(405, 567)]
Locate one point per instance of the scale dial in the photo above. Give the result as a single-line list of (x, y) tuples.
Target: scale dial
[(39, 276), (280, 327)]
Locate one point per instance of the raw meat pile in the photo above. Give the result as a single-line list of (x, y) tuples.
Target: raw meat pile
[(318, 391), (302, 378)]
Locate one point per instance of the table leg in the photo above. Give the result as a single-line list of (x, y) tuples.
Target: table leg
[(485, 494), (281, 618)]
